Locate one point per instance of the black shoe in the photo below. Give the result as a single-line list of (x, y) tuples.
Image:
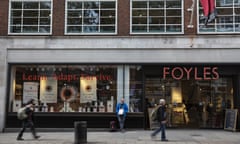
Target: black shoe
[(37, 137), (20, 139), (212, 16), (204, 19)]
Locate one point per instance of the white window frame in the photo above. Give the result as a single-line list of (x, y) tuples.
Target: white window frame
[(97, 33), (22, 33), (232, 6), (151, 33)]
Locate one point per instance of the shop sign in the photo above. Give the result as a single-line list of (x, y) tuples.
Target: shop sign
[(65, 77), (203, 73)]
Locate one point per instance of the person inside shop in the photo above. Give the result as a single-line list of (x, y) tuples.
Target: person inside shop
[(28, 121), (162, 119), (121, 111)]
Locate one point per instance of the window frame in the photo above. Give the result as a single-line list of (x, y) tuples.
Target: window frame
[(165, 25), (90, 33), (39, 25)]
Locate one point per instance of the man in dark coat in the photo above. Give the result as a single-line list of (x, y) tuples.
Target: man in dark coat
[(28, 122), (162, 119)]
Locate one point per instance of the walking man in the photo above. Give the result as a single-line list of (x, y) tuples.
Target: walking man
[(162, 119), (28, 122)]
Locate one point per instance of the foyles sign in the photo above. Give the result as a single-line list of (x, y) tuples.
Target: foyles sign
[(198, 73)]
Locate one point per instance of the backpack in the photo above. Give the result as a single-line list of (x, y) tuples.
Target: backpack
[(154, 114), (21, 114)]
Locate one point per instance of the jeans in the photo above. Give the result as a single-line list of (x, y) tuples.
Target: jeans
[(161, 128), (121, 120)]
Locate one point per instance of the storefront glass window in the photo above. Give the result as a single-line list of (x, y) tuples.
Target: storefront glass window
[(136, 89), (157, 16), (192, 103), (30, 17), (64, 88), (91, 17), (227, 21)]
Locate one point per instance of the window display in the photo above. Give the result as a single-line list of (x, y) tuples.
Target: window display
[(74, 88), (66, 88)]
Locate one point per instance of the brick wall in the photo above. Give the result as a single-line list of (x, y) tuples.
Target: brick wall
[(123, 17), (3, 17), (58, 17)]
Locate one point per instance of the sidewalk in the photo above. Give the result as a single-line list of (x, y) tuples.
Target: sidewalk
[(175, 136)]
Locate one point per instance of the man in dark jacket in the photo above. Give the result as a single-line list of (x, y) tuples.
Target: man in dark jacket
[(28, 122), (162, 118)]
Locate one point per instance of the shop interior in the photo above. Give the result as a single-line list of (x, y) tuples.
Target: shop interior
[(191, 103)]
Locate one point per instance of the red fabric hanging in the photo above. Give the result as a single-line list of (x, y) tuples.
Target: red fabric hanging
[(208, 7)]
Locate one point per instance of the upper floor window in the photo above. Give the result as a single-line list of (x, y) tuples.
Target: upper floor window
[(30, 16), (156, 16), (91, 17), (227, 21)]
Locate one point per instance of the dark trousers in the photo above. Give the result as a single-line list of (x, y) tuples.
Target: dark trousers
[(26, 124)]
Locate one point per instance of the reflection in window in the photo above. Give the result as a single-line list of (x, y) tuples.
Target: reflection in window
[(136, 89), (91, 17), (30, 17), (157, 16), (228, 21)]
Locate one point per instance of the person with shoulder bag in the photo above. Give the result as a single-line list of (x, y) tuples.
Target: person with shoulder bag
[(28, 121), (121, 111), (162, 119)]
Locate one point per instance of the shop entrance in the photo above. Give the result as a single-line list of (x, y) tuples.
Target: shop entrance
[(191, 103)]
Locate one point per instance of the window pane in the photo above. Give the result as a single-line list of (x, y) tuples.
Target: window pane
[(74, 5), (16, 13), (45, 5), (30, 21), (30, 29), (74, 21), (91, 15), (16, 21), (45, 13), (136, 89), (155, 13), (157, 28), (74, 29), (16, 29), (156, 4), (30, 5), (44, 29), (107, 29), (108, 5), (16, 5), (44, 21), (30, 13), (107, 21), (139, 4)]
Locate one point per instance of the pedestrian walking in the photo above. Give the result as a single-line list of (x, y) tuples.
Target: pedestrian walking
[(28, 121), (162, 119), (121, 111)]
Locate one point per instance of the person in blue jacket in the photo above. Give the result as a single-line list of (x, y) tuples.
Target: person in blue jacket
[(121, 111)]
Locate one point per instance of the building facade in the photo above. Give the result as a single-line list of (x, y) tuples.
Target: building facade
[(78, 58)]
